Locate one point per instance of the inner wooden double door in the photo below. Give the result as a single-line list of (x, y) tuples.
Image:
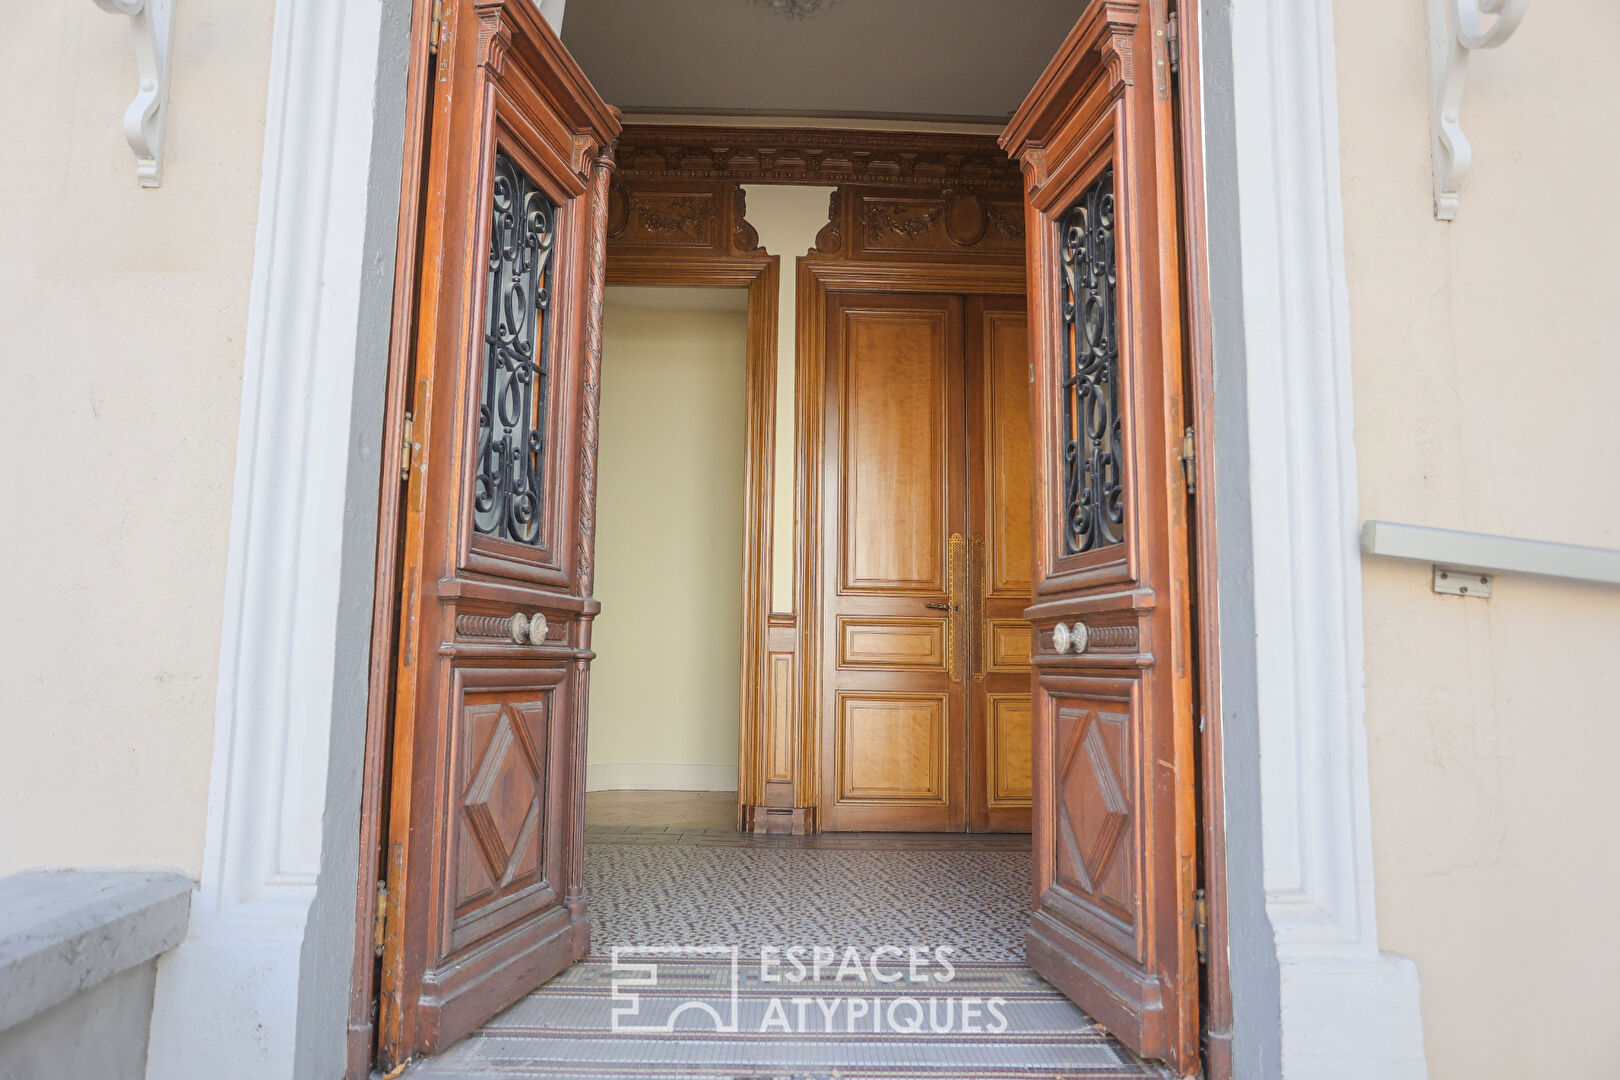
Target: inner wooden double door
[(926, 564)]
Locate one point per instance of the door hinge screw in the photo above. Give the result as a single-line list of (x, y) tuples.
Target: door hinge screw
[(1189, 461)]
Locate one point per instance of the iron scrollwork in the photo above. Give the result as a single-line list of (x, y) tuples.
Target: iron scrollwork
[(509, 490), (1092, 435)]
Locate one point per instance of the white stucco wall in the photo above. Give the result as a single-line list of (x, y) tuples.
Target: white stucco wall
[(1486, 376), (122, 313)]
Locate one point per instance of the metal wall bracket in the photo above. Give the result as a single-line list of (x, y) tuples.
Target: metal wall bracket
[(152, 24), (1449, 582), (1457, 28)]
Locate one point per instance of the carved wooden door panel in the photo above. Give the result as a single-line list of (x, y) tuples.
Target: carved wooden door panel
[(485, 818), (999, 495), (1114, 811), (894, 733)]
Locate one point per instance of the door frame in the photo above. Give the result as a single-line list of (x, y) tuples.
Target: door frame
[(361, 1031), (281, 850)]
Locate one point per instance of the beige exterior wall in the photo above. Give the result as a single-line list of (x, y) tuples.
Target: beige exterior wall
[(665, 685), (1486, 375), (122, 314)]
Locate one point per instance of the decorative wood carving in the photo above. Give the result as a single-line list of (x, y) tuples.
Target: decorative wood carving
[(1123, 638), (809, 156), (590, 406), (744, 237), (493, 36), (831, 237), (972, 227), (664, 217), (966, 218), (500, 628)]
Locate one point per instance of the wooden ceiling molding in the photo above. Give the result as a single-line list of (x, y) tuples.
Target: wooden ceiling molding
[(902, 159)]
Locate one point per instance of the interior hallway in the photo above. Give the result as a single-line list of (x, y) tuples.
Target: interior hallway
[(669, 868)]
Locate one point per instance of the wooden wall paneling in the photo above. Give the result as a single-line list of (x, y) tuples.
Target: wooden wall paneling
[(644, 249)]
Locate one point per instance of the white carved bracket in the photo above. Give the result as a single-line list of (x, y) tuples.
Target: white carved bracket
[(152, 23), (1457, 28)]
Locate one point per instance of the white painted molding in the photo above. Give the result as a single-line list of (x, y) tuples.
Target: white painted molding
[(258, 989), (1490, 554), (152, 24), (1347, 1009), (621, 777), (1457, 28)]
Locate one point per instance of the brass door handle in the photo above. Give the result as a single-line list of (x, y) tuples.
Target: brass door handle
[(964, 570)]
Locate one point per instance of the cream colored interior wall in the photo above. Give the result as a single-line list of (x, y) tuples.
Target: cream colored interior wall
[(121, 323), (1486, 378), (669, 541), (787, 218)]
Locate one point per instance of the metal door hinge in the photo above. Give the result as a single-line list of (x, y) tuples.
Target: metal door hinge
[(1189, 461), (407, 447), (379, 919), (436, 26), (1172, 42), (1201, 924)]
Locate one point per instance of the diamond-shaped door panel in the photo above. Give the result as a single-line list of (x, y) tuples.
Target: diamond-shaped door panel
[(502, 796), (1093, 807)]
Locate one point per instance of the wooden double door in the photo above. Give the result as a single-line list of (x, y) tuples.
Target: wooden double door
[(944, 414), (926, 564)]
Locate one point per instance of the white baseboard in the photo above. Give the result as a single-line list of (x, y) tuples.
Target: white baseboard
[(605, 777)]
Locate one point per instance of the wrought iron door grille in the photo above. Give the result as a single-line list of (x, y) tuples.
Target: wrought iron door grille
[(1093, 446), (509, 490)]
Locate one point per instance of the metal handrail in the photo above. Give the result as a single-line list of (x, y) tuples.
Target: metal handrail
[(1488, 553)]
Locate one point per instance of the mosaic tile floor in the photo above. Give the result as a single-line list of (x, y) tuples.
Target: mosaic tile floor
[(689, 894), (716, 889)]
